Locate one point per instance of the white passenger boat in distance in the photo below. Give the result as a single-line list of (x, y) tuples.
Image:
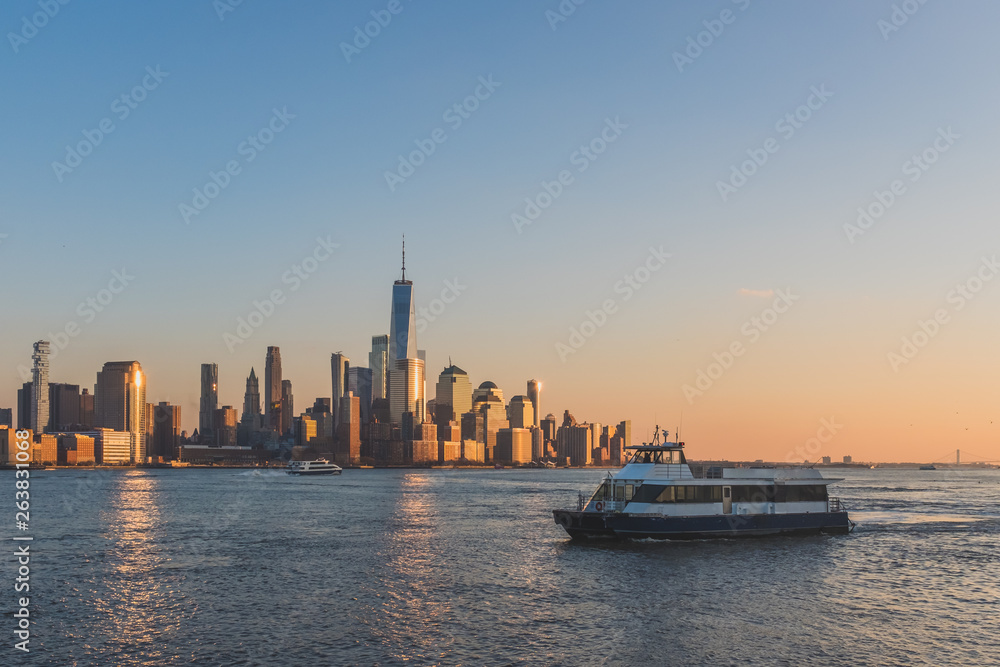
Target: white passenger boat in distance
[(317, 467), (658, 495)]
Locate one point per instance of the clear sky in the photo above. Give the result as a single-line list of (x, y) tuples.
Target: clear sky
[(668, 126)]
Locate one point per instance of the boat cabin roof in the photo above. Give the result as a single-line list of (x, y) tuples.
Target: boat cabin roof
[(657, 448)]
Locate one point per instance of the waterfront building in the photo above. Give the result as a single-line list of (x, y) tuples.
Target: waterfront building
[(251, 402), (521, 412), (359, 383), (348, 451), (111, 447), (406, 369), (224, 426), (166, 431), (534, 389), (513, 446), (305, 430), (40, 387), (86, 410), (209, 398), (64, 406), (378, 361), (24, 395), (272, 390), (45, 449), (453, 391), (8, 445), (473, 451), (7, 417), (472, 427), (574, 444), (537, 444), (287, 406), (486, 392), (76, 449), (494, 419), (120, 403), (339, 367)]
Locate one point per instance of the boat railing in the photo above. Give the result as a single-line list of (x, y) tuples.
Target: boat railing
[(835, 505)]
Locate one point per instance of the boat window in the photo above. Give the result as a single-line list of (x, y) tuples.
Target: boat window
[(620, 492), (601, 493), (629, 490), (666, 496), (753, 494), (795, 493)]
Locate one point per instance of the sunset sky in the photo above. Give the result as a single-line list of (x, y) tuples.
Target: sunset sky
[(745, 158)]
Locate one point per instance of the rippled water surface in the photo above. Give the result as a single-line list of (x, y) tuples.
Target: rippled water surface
[(234, 567)]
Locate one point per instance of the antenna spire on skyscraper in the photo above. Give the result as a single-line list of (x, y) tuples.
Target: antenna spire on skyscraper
[(404, 256)]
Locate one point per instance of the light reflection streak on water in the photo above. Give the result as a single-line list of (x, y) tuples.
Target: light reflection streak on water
[(408, 622), (135, 610)]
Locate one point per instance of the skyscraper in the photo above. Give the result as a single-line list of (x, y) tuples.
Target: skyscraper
[(339, 365), (272, 390), (359, 382), (166, 431), (120, 403), (86, 410), (287, 405), (520, 412), (534, 389), (454, 391), (406, 369), (209, 398), (64, 406), (224, 426), (251, 401), (378, 361), (40, 387)]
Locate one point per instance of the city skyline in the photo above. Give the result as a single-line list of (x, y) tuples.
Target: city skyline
[(807, 187)]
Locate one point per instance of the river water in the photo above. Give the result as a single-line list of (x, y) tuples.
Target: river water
[(421, 567)]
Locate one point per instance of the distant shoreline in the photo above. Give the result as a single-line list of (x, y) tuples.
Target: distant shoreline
[(738, 464)]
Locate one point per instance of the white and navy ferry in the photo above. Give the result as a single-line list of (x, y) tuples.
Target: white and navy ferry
[(317, 467), (658, 495)]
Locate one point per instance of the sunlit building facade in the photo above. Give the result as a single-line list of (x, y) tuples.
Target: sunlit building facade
[(40, 387), (120, 403), (378, 361)]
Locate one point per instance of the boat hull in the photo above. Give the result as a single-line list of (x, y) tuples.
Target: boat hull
[(644, 526), (314, 472)]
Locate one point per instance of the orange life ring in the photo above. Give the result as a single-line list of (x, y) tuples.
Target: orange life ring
[(599, 506)]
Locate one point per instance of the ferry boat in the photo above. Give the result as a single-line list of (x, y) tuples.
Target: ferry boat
[(658, 495), (317, 467)]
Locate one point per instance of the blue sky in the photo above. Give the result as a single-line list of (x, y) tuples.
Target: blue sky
[(655, 185)]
